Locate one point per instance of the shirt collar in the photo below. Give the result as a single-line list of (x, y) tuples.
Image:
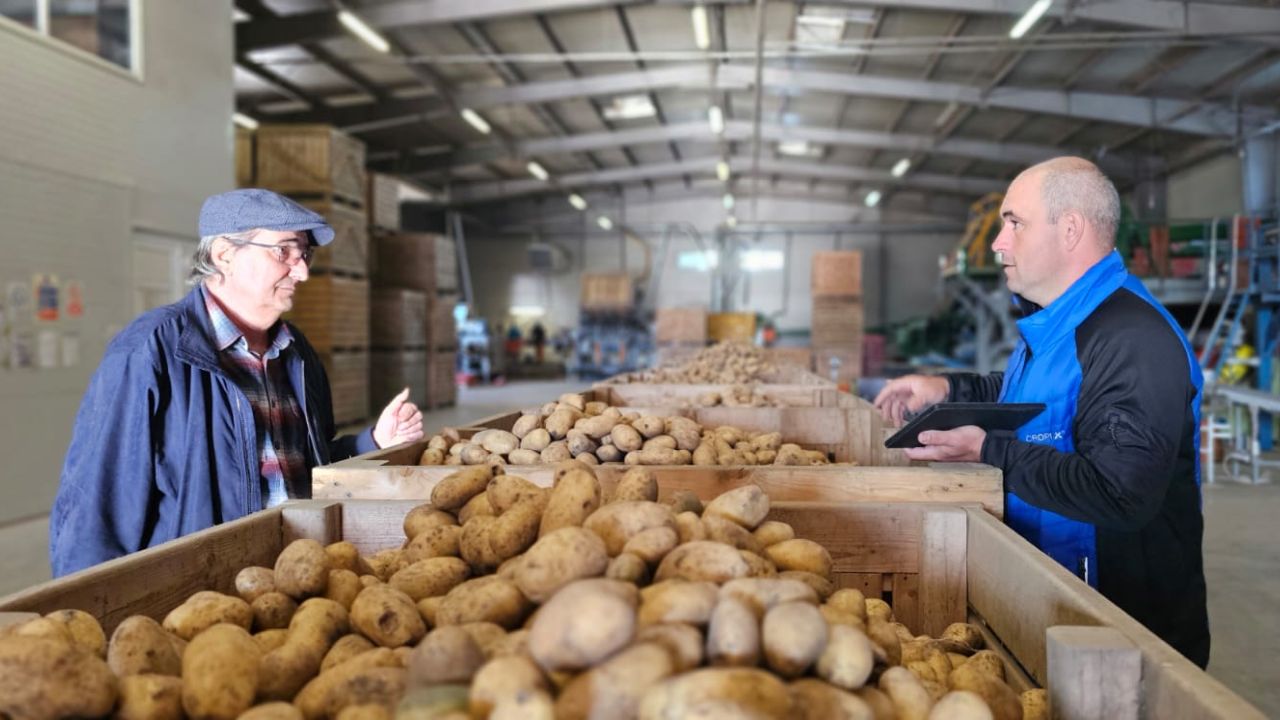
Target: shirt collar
[(227, 334), (1061, 317)]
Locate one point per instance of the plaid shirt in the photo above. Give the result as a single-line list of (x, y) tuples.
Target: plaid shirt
[(280, 428)]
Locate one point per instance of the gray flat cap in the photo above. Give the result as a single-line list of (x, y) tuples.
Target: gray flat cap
[(253, 209)]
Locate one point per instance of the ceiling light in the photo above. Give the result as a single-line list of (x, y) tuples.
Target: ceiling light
[(361, 30), (731, 221), (244, 121), (576, 200), (537, 170), (474, 120), (901, 167), (605, 223), (728, 201), (799, 148), (722, 171), (873, 198), (701, 28), (1034, 13), (630, 107), (947, 113), (715, 116)]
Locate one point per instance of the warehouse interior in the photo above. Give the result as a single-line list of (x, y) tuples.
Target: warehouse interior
[(532, 196)]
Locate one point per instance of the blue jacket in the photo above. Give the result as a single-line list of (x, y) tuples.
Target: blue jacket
[(164, 443), (1106, 480)]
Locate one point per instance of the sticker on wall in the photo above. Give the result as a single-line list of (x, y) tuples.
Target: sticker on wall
[(48, 348), (22, 346), (46, 297), (70, 350), (74, 298), (17, 296)]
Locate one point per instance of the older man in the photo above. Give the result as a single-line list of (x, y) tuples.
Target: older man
[(1106, 480), (211, 408)]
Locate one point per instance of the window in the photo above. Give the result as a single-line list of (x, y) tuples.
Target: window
[(102, 28)]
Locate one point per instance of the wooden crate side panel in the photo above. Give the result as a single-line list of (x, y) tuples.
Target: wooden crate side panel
[(861, 537), (332, 312), (154, 581), (397, 318), (837, 273), (373, 526), (384, 201), (406, 260), (790, 395), (442, 328), (1021, 593), (393, 370), (244, 157), (348, 384), (943, 566), (349, 251), (446, 265), (349, 175)]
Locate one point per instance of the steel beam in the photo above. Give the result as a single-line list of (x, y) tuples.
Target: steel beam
[(1197, 18)]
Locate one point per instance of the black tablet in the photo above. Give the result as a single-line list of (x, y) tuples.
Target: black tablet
[(949, 416)]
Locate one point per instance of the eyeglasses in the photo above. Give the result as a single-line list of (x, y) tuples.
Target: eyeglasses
[(288, 253)]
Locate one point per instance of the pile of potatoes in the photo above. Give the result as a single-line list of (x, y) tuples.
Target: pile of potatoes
[(734, 396), (725, 363), (594, 433), (507, 600)]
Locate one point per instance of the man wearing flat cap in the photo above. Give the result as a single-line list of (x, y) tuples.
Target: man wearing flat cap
[(213, 407)]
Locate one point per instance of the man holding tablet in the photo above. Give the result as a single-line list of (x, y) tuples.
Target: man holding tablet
[(1106, 479)]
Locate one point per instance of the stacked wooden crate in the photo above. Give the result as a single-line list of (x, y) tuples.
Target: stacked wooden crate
[(323, 169), (837, 320), (679, 332), (427, 264)]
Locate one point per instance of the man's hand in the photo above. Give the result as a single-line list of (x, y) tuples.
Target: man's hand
[(964, 444), (910, 393), (400, 422)]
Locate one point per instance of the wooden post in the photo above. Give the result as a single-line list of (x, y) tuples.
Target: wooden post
[(319, 520), (943, 589), (1094, 672)]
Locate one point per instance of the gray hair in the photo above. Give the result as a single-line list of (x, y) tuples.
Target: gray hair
[(1071, 183), (202, 265)]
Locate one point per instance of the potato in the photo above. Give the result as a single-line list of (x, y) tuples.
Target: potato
[(474, 454), (559, 423), (515, 642), (347, 647), (910, 699), (269, 640), (705, 455), (758, 567), (849, 600), (556, 452), (772, 532), (477, 506), (312, 631), (387, 616), (84, 629), (649, 426), (988, 662), (385, 563), (729, 692), (678, 602), (821, 585), (816, 700), (430, 577), (272, 611), (800, 554), (702, 560), (439, 442), (344, 556), (525, 425), (964, 634), (537, 440), (558, 558), (504, 679), (598, 426), (254, 581), (747, 506), (431, 456), (485, 599), (220, 673), (579, 443), (440, 541), (762, 594), (689, 527), (48, 678), (278, 710), (499, 442), (455, 489), (847, 659), (653, 544), (524, 457), (608, 454), (425, 517), (302, 569), (628, 567), (793, 635), (661, 442), (516, 530), (723, 530), (1035, 704), (487, 636), (575, 497), (587, 621), (205, 609), (733, 634), (575, 400), (627, 438), (150, 697), (614, 688), (618, 522), (428, 607), (372, 678), (445, 656), (589, 459), (999, 697), (474, 546), (960, 705), (139, 646), (884, 636), (45, 628), (685, 432), (685, 501)]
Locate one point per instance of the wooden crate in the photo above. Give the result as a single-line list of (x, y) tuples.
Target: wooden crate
[(739, 326), (348, 254), (933, 564), (656, 395), (311, 160), (442, 328), (418, 261), (333, 312), (837, 323), (800, 357), (398, 319), (348, 373), (442, 383), (837, 274), (392, 371), (244, 157), (684, 325), (384, 201), (607, 292)]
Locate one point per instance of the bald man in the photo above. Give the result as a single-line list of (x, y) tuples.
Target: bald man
[(1106, 479)]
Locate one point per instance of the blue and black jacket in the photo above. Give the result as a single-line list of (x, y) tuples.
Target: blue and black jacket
[(1106, 480)]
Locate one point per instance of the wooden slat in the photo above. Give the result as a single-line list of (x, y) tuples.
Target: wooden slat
[(332, 312), (375, 525), (1094, 672), (871, 584), (943, 549), (310, 159), (906, 599), (1014, 674), (319, 520), (862, 538)]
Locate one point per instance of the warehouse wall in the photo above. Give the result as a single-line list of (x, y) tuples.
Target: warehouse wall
[(93, 159), (1206, 190)]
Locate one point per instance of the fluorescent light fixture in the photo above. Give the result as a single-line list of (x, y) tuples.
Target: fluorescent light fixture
[(799, 148), (630, 107), (576, 200), (698, 260), (901, 167), (605, 223), (537, 170), (873, 198), (352, 22), (722, 171), (244, 121), (731, 221), (528, 310), (1034, 13), (728, 201), (758, 260), (715, 116), (474, 120), (947, 113), (701, 28), (819, 30)]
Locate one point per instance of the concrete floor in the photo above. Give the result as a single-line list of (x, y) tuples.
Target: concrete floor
[(1242, 556)]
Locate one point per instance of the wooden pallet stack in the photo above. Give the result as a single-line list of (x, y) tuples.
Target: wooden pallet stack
[(837, 320), (679, 332), (323, 169)]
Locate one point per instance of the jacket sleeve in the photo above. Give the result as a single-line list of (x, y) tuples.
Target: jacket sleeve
[(108, 499), (1134, 397), (972, 387)]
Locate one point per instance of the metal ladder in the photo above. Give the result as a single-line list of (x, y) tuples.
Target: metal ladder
[(1225, 331)]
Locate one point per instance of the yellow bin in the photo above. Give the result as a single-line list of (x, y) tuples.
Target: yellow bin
[(740, 326)]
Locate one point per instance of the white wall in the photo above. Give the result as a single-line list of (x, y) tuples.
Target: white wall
[(89, 156), (1212, 188)]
